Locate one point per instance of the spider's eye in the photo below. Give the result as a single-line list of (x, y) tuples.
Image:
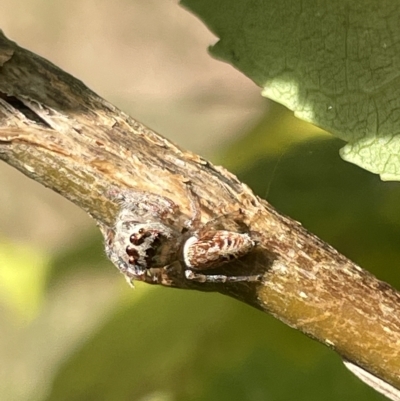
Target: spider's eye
[(133, 255)]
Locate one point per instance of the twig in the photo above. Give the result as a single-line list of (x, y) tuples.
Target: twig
[(59, 133)]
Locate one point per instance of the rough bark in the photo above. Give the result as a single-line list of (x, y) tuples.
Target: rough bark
[(59, 133)]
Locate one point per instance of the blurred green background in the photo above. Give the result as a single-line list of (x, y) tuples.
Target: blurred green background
[(70, 327)]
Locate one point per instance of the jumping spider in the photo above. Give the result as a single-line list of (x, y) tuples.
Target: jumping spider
[(145, 240)]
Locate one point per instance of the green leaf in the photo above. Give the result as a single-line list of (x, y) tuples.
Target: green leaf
[(335, 64)]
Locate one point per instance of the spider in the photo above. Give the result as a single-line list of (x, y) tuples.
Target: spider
[(145, 239)]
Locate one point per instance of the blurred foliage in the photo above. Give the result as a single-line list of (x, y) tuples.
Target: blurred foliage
[(88, 253), (93, 338), (22, 278)]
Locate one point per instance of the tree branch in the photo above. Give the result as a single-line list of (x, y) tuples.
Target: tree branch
[(59, 133)]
